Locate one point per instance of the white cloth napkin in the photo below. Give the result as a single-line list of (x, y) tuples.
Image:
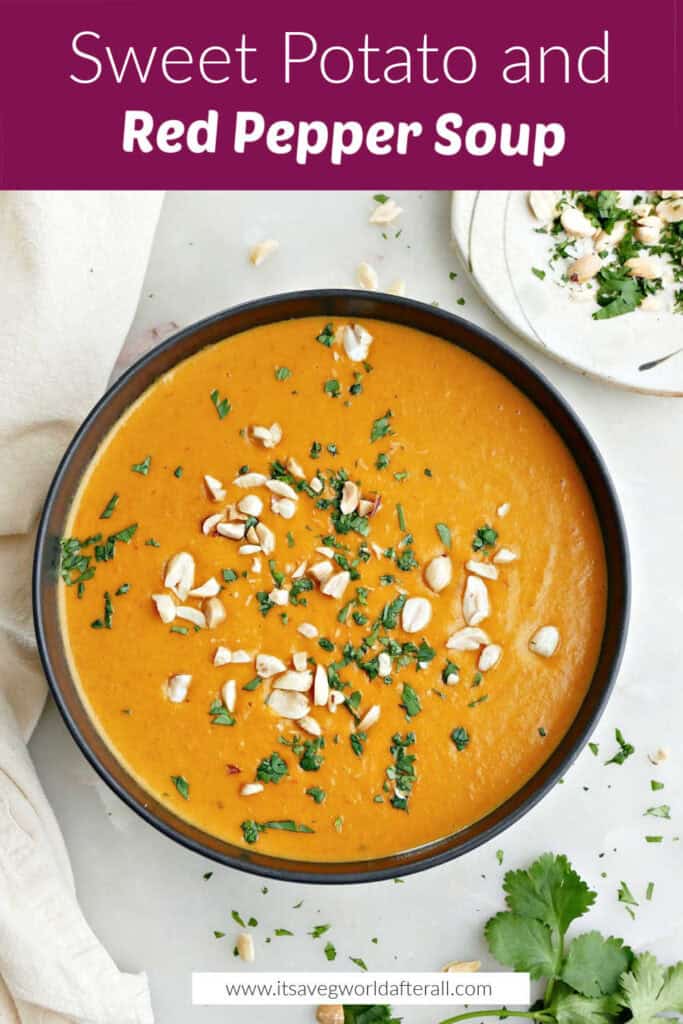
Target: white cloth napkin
[(71, 269)]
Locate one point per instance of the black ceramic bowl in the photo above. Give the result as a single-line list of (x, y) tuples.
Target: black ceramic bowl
[(328, 304)]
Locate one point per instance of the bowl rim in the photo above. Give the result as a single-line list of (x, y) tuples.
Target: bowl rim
[(285, 869)]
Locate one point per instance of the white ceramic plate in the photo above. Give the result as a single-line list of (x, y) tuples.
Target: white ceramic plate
[(488, 265), (462, 208), (496, 231)]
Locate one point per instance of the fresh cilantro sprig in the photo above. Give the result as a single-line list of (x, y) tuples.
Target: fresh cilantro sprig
[(590, 979), (369, 1015)]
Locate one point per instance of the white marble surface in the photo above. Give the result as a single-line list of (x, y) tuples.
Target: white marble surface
[(146, 897)]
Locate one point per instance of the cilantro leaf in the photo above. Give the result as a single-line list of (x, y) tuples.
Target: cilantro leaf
[(595, 964), (369, 1015), (550, 891), (649, 989), (410, 701), (272, 769), (571, 1008), (625, 749), (182, 785), (617, 294), (381, 426), (522, 943)]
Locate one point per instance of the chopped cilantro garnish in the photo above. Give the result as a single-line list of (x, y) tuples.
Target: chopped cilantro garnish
[(317, 793), (272, 769), (110, 506), (221, 405), (625, 749), (444, 534), (357, 739), (253, 684), (182, 785), (402, 773), (326, 336), (142, 467), (381, 427), (410, 701), (220, 714), (460, 737), (252, 829), (663, 811), (484, 538)]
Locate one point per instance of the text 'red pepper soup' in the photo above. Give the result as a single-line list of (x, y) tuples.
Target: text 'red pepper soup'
[(334, 589)]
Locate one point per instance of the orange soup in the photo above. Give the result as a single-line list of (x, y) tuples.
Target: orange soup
[(337, 590)]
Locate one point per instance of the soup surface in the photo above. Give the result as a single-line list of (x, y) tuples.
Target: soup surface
[(378, 526)]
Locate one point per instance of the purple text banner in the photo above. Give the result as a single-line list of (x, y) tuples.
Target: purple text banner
[(144, 94)]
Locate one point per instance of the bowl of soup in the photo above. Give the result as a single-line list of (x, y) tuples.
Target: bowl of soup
[(331, 586)]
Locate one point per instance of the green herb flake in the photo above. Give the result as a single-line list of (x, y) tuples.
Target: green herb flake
[(125, 535), (484, 538), (662, 811), (625, 749), (460, 737), (326, 336), (142, 467), (410, 701), (272, 769), (109, 507), (253, 684), (282, 373), (381, 427), (444, 534), (316, 793), (625, 896), (221, 405), (182, 785)]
